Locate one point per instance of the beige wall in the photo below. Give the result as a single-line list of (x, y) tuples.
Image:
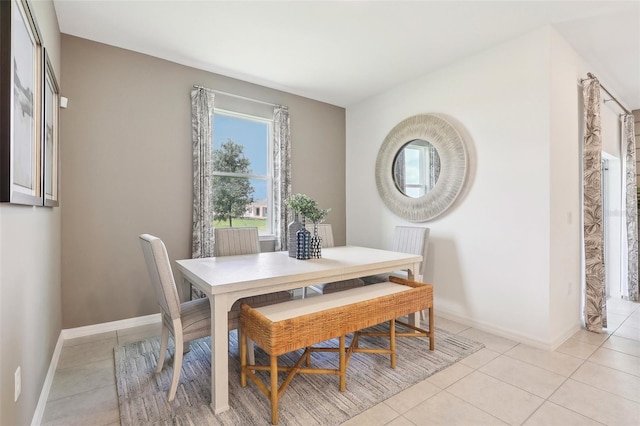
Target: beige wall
[(30, 315), (126, 170)]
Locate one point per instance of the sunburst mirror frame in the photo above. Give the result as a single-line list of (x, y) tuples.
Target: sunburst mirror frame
[(453, 157)]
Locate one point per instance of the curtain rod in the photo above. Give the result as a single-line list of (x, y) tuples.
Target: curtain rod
[(219, 92), (613, 98)]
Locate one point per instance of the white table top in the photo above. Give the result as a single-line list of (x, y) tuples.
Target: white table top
[(235, 273)]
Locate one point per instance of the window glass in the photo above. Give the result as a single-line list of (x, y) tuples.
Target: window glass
[(242, 170)]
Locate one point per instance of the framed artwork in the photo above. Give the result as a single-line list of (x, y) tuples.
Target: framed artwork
[(51, 105), (20, 105)]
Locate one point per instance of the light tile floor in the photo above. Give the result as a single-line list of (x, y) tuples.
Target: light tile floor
[(592, 379)]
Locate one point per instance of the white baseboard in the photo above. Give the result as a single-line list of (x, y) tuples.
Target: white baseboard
[(506, 333), (46, 386), (72, 333)]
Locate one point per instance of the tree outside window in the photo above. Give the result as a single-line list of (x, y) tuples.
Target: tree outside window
[(231, 193), (242, 193)]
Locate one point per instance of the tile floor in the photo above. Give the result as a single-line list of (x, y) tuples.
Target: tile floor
[(592, 379)]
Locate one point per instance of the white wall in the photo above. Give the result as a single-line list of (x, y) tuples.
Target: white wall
[(507, 257), (567, 113), (565, 235), (489, 255), (30, 309)]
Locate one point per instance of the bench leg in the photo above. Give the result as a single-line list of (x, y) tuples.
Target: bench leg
[(243, 358), (250, 351), (343, 366), (308, 356), (392, 342), (432, 334), (274, 389)]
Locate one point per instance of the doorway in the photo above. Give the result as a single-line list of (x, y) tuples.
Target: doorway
[(612, 221)]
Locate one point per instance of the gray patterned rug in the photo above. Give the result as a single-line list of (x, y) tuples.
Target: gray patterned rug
[(309, 399)]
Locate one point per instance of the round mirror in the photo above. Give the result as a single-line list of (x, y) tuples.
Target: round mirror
[(416, 168), (421, 167)]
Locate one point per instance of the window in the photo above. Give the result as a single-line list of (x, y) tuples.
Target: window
[(421, 166), (242, 173)]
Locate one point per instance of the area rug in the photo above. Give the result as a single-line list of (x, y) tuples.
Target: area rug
[(309, 399)]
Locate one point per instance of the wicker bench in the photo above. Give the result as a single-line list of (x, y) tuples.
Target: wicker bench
[(297, 324)]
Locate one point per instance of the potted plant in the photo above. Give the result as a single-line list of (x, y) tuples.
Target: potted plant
[(302, 204)]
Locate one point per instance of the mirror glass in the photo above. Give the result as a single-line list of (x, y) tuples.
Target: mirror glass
[(416, 168), (421, 167)]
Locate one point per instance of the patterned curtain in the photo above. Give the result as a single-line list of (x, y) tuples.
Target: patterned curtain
[(282, 174), (201, 139), (595, 302), (629, 148)]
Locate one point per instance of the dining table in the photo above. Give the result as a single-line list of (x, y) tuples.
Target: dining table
[(226, 279)]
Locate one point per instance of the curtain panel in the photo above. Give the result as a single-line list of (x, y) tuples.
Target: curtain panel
[(595, 302), (202, 101), (281, 176), (629, 149)]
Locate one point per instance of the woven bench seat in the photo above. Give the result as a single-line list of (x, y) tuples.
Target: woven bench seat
[(298, 324)]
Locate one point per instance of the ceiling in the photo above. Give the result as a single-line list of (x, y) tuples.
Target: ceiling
[(343, 52)]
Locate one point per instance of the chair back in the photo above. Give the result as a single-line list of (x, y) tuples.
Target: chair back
[(157, 259), (412, 240), (325, 232), (234, 241)]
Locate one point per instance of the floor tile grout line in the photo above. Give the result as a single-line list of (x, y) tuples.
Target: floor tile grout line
[(477, 369), (606, 391), (87, 391), (480, 408), (546, 369), (570, 377), (96, 361)]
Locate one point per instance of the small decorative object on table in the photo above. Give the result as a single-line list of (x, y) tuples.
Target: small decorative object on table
[(294, 227), (305, 206), (303, 242), (317, 216), (316, 244)]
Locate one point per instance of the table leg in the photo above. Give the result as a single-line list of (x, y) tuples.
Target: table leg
[(185, 290), (219, 354), (412, 274)]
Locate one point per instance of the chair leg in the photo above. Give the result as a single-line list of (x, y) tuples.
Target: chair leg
[(177, 361), (164, 339)]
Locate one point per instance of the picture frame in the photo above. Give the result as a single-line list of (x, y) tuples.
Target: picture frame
[(50, 133), (20, 105)]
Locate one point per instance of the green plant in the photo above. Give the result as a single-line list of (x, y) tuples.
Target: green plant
[(317, 215), (302, 204)]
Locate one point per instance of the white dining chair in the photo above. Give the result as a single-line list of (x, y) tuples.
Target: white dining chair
[(237, 241), (411, 240), (185, 321), (325, 231)]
